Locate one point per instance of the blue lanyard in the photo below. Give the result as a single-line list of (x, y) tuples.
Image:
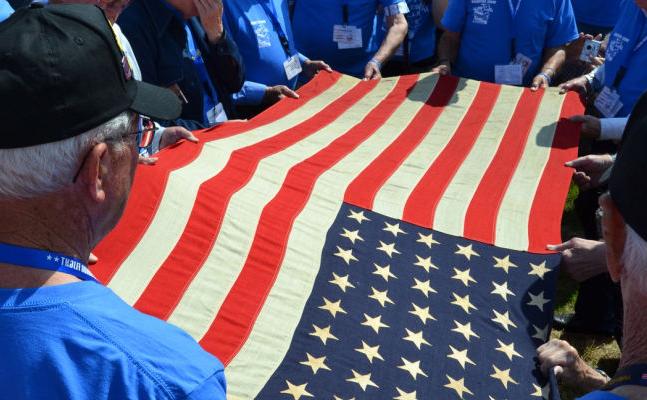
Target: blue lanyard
[(43, 259), (198, 61), (283, 38), (514, 11), (344, 10)]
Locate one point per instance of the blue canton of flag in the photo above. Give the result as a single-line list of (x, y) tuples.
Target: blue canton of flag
[(402, 312)]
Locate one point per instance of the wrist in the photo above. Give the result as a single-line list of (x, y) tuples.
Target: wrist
[(548, 78), (445, 61), (215, 34), (376, 62), (591, 379)]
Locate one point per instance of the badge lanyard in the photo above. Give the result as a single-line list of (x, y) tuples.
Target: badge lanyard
[(45, 260), (283, 37), (345, 12), (514, 11), (622, 71), (198, 61)]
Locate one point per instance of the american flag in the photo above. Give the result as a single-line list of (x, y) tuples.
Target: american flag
[(381, 240)]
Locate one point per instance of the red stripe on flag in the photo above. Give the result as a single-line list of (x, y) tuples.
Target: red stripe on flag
[(361, 192), (195, 244), (237, 315), (151, 180), (481, 216), (421, 205), (545, 221)]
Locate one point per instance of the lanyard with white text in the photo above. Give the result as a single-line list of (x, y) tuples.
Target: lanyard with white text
[(514, 11), (344, 11), (198, 61), (283, 37), (43, 259)]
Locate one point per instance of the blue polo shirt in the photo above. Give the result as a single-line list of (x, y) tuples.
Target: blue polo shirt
[(422, 32), (252, 27), (80, 341), (5, 10), (313, 23), (621, 51), (602, 13), (487, 32)]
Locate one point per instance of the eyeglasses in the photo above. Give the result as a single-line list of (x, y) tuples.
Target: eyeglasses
[(144, 136)]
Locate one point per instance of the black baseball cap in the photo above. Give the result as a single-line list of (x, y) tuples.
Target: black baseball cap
[(63, 73), (628, 183)]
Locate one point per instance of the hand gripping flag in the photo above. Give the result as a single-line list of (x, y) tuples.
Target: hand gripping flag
[(371, 240)]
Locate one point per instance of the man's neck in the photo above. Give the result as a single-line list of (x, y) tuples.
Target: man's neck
[(42, 225)]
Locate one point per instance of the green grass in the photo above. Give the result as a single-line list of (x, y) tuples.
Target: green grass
[(599, 352)]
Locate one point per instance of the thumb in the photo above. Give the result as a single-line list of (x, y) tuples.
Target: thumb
[(289, 92), (188, 135), (558, 370), (560, 247)]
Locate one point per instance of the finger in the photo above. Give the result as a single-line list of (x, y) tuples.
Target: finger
[(92, 259), (147, 160), (188, 135), (326, 66), (560, 247), (599, 37), (287, 92), (564, 87)]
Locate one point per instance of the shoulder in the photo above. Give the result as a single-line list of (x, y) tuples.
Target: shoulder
[(161, 352)]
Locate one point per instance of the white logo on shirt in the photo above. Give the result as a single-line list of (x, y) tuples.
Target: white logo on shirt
[(616, 45), (262, 34), (483, 11)]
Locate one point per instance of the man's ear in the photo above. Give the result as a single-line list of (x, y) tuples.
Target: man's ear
[(615, 235), (94, 171)]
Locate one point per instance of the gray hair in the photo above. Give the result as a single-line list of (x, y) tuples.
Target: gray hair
[(38, 170), (634, 259)]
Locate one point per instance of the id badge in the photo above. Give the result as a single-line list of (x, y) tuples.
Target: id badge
[(347, 37), (292, 67), (510, 74), (217, 114), (608, 102), (524, 61)]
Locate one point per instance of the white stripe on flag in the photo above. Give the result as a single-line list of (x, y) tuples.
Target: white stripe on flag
[(514, 213), (392, 197)]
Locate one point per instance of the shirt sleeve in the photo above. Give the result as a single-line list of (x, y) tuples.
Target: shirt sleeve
[(251, 94), (563, 28), (455, 15), (612, 128), (214, 388)]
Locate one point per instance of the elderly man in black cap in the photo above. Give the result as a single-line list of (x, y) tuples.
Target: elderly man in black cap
[(67, 159), (624, 224)]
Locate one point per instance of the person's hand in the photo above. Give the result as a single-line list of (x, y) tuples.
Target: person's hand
[(591, 126), (539, 82), (311, 68), (276, 93), (581, 258), (372, 71), (579, 84), (444, 68), (174, 134), (574, 49), (569, 367), (143, 160), (210, 13), (589, 169)]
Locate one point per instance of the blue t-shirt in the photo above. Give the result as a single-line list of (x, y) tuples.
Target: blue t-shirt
[(5, 10), (422, 32), (80, 341), (253, 30), (602, 13), (601, 395), (313, 23), (487, 33), (621, 50)]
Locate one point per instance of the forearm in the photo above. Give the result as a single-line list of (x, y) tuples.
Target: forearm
[(397, 31), (448, 47), (225, 59), (554, 58)]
